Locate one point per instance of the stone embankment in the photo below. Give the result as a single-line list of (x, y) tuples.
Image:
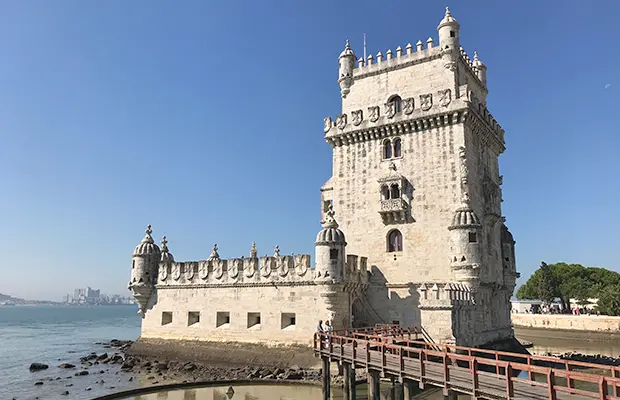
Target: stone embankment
[(582, 323)]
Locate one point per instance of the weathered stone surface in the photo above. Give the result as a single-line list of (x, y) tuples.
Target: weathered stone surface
[(38, 367)]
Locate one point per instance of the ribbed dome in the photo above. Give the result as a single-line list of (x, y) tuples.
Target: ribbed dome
[(166, 255), (464, 216), (330, 234), (347, 52), (448, 19), (147, 246)]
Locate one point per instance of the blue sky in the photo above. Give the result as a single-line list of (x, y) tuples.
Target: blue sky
[(205, 119)]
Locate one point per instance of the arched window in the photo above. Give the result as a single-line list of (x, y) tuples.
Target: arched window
[(397, 148), (394, 192), (395, 241), (385, 193), (398, 103), (387, 149)]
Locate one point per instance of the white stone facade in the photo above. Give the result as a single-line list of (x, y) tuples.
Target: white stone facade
[(417, 191)]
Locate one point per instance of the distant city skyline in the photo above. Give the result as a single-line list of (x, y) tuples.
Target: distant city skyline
[(206, 121)]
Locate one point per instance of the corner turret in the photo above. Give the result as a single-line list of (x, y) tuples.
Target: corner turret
[(466, 254), (144, 267), (345, 72), (449, 32), (330, 249), (480, 69)]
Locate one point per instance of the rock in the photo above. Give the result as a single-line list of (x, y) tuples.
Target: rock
[(65, 393), (130, 378), (69, 385), (81, 373), (88, 389), (38, 383), (38, 367), (295, 368), (66, 365), (189, 367)]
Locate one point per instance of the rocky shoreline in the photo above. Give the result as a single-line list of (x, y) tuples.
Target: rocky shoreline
[(116, 369), (587, 358)]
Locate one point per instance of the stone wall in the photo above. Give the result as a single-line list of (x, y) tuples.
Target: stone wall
[(590, 323)]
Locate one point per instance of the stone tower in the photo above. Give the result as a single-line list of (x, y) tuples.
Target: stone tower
[(417, 190)]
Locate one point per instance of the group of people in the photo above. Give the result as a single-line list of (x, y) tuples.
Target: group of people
[(325, 328)]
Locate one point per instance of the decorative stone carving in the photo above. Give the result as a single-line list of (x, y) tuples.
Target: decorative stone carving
[(265, 268), (301, 267), (327, 124), (276, 252), (463, 165), (189, 272), (445, 97), (390, 109), (251, 269), (176, 272), (233, 270), (373, 113), (163, 274), (426, 101), (283, 267), (450, 66), (203, 270), (218, 268), (408, 105), (214, 254), (357, 117), (253, 251), (341, 121)]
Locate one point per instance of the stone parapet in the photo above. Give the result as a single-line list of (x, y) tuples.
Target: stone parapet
[(378, 64)]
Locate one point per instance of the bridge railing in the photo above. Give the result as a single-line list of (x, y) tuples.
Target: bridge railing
[(396, 355)]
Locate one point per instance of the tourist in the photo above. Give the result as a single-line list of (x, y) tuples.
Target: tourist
[(329, 329)]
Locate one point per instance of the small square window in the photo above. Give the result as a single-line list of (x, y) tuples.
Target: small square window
[(253, 320), (333, 254), (288, 320), (166, 317), (222, 318), (473, 238), (452, 34), (193, 317)]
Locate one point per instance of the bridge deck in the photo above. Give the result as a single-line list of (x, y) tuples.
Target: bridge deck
[(456, 369)]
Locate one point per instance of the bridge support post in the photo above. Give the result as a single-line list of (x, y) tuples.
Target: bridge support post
[(326, 384), (451, 395), (373, 385), (349, 381), (408, 389)]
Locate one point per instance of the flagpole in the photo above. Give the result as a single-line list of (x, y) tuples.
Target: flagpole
[(364, 46)]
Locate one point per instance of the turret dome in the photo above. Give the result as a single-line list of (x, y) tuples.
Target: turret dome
[(166, 255), (147, 246), (464, 216), (330, 234), (448, 19), (347, 52)]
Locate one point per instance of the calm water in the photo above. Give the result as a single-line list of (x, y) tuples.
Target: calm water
[(53, 335)]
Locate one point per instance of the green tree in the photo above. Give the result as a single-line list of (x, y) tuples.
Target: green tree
[(609, 300), (547, 287)]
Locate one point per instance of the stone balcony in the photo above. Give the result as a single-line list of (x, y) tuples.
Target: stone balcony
[(393, 210)]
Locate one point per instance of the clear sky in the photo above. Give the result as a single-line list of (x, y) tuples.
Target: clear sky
[(205, 119)]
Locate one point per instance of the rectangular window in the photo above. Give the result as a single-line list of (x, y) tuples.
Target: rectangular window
[(166, 317), (288, 320), (473, 237), (222, 318), (253, 320), (333, 254), (193, 317)]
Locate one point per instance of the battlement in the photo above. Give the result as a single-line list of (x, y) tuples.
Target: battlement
[(444, 295), (397, 59), (291, 270)]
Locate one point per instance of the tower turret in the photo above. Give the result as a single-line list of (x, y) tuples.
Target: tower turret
[(449, 32), (330, 249), (144, 267), (466, 253), (481, 69), (345, 72)]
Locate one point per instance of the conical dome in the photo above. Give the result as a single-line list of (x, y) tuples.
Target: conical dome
[(147, 246), (347, 52), (330, 234), (464, 216), (166, 255), (448, 19)]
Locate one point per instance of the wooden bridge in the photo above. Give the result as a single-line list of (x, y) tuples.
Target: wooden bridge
[(404, 355)]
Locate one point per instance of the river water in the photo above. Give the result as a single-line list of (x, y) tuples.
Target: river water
[(55, 335)]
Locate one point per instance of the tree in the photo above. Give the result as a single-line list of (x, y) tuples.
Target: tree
[(547, 287), (609, 300)]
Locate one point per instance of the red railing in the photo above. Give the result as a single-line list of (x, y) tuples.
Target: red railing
[(601, 382)]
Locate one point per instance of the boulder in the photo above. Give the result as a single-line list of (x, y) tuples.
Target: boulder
[(38, 367), (66, 365), (38, 383)]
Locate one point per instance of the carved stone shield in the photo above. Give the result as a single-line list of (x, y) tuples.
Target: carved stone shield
[(327, 124), (373, 113), (176, 272), (218, 268), (357, 117), (203, 270), (408, 105), (426, 101), (390, 109), (341, 121), (189, 272), (233, 270), (163, 273), (445, 97), (249, 272)]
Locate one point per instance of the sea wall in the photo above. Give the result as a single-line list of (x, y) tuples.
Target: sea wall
[(586, 323)]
